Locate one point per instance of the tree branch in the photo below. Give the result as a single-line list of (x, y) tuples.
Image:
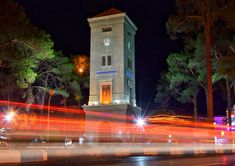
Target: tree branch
[(190, 70), (231, 48), (5, 43), (45, 72), (188, 18)]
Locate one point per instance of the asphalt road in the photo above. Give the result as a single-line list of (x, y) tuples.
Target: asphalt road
[(208, 160)]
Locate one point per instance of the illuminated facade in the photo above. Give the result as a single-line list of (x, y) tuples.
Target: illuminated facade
[(112, 60), (112, 69)]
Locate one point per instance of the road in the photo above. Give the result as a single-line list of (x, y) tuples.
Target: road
[(208, 160)]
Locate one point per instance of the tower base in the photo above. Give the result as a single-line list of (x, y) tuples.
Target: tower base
[(109, 123)]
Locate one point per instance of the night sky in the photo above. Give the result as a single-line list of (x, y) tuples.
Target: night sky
[(66, 22)]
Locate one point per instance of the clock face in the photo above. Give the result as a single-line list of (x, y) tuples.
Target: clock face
[(107, 42)]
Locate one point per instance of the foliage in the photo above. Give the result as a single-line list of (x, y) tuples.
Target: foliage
[(186, 74), (191, 16), (164, 94), (226, 56), (59, 74), (182, 76), (22, 46), (28, 61), (200, 16), (82, 64), (226, 67)]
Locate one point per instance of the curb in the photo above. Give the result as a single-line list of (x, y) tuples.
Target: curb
[(119, 151), (22, 156), (39, 155)]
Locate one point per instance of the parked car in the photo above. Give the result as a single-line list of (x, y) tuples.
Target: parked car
[(38, 140), (68, 142)]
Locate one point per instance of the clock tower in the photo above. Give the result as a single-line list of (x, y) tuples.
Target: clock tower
[(112, 64)]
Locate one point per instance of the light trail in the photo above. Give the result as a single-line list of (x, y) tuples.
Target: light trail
[(72, 123), (64, 110)]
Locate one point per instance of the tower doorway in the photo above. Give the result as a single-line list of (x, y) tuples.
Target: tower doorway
[(106, 93)]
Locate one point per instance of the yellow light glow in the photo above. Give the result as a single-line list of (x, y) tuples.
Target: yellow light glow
[(10, 115), (222, 133), (81, 70)]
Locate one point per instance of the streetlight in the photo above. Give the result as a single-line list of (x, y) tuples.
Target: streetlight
[(140, 122), (169, 139), (9, 116), (81, 70)]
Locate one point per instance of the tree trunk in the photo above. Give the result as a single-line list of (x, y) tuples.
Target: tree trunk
[(30, 100), (233, 91), (210, 109), (195, 108), (229, 102), (79, 104), (65, 102), (48, 117), (44, 96)]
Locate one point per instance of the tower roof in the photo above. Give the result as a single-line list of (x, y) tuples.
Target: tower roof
[(108, 12)]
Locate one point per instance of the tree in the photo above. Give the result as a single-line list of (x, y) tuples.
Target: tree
[(193, 16), (226, 70), (186, 74), (164, 93), (60, 74), (50, 76), (82, 65), (22, 46), (183, 79)]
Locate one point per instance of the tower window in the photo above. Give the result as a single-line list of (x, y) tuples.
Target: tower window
[(106, 29), (106, 60), (129, 46), (129, 63), (109, 60), (130, 95), (103, 60)]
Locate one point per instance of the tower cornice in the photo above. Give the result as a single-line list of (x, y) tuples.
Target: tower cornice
[(102, 17)]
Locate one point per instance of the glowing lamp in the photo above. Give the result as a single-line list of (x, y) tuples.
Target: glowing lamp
[(222, 133), (118, 101), (9, 116), (96, 103), (81, 70), (140, 122)]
